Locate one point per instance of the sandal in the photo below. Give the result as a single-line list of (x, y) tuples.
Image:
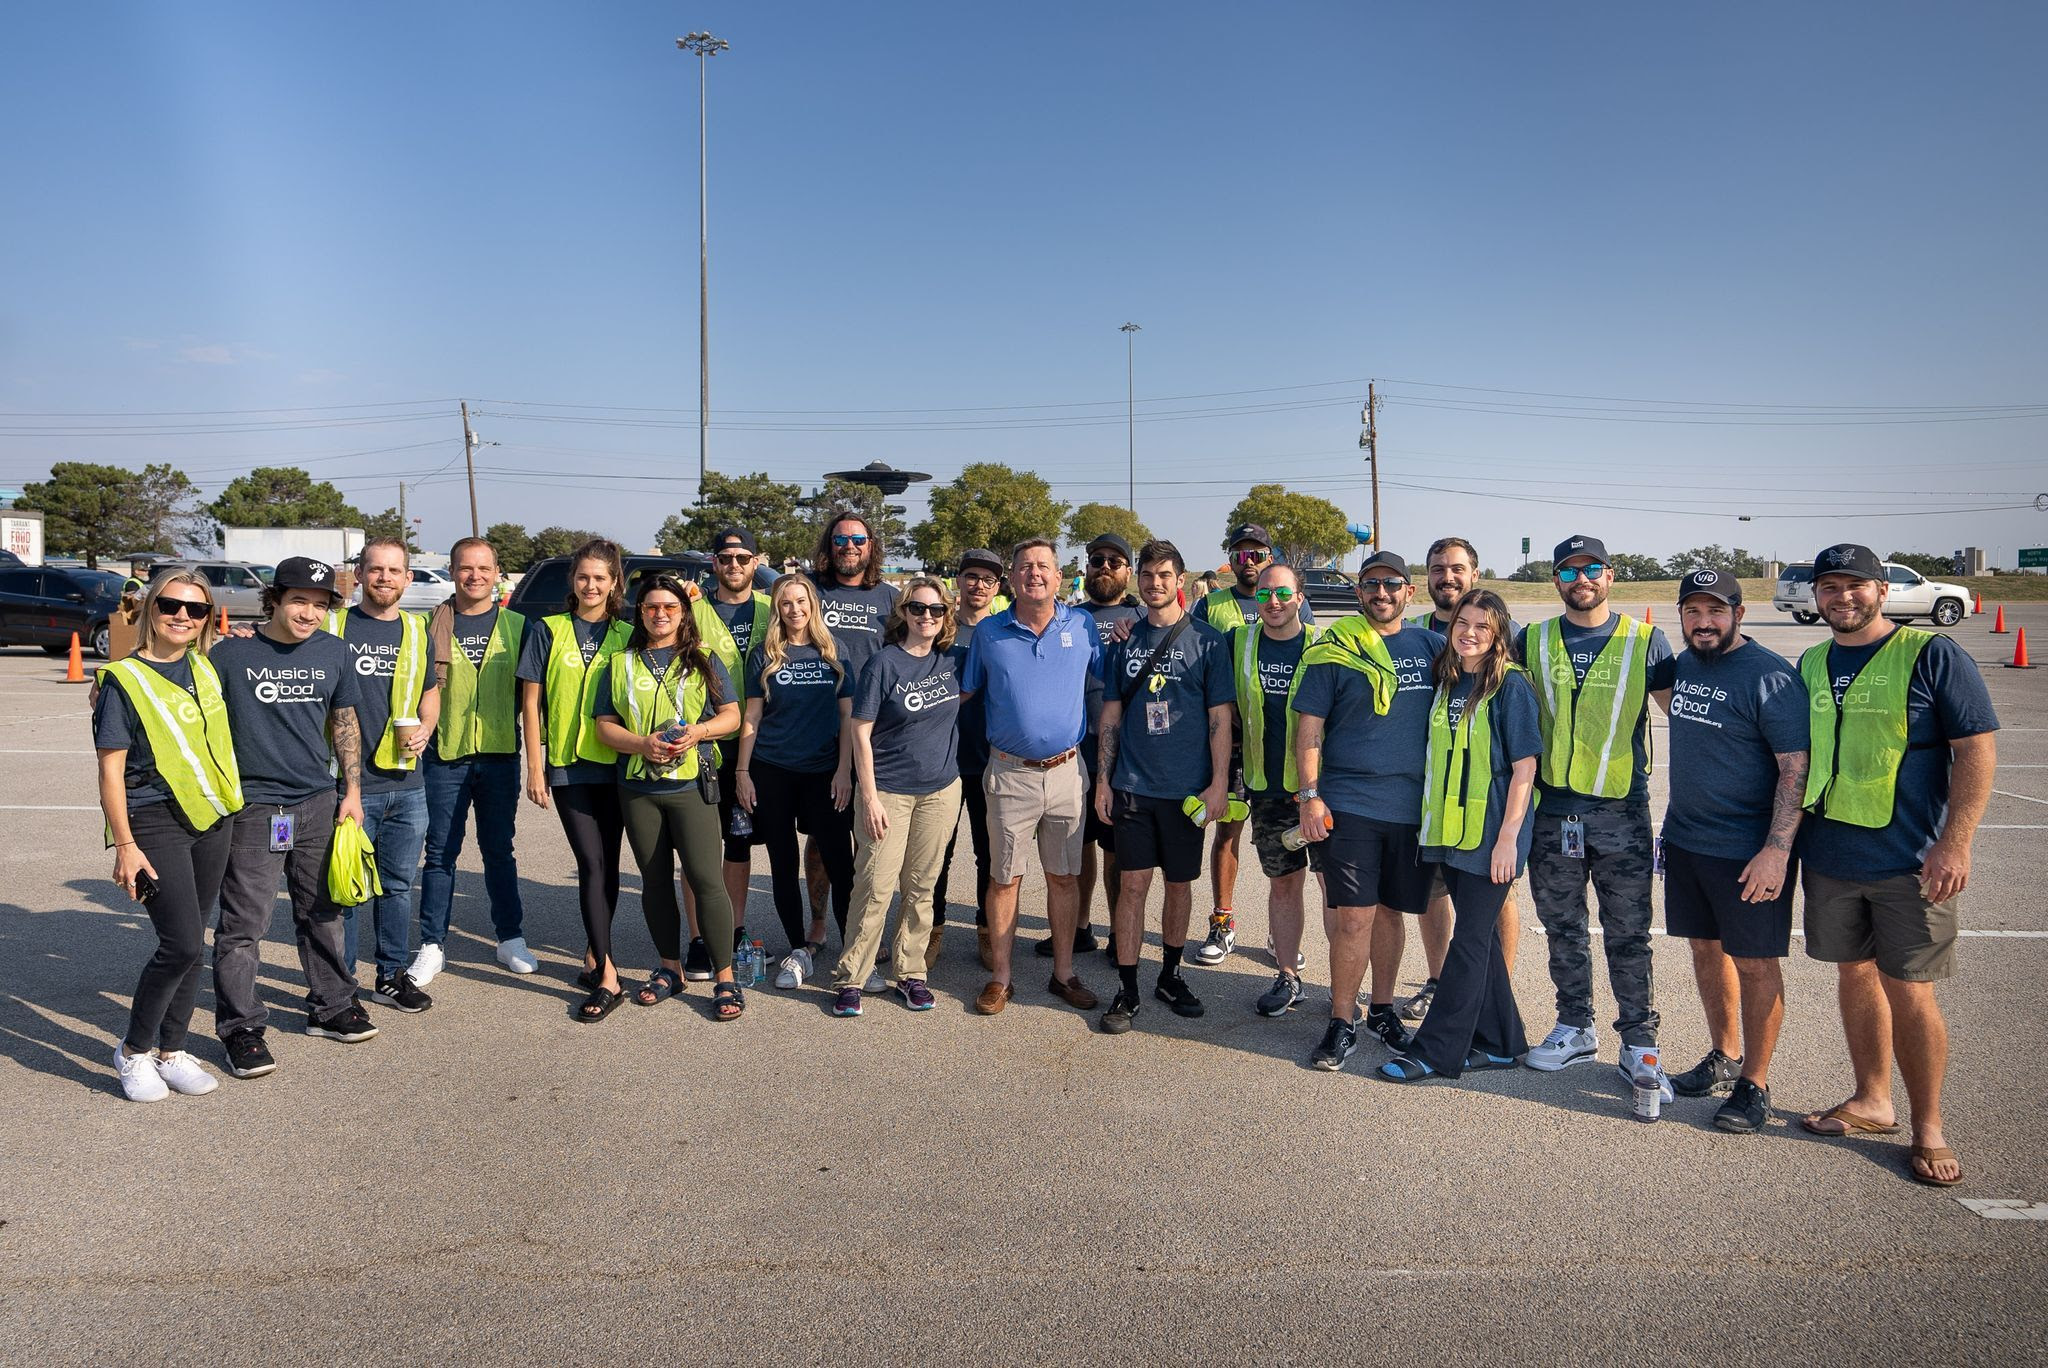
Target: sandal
[(1479, 1061), (598, 1005), (728, 1001), (1846, 1124), (589, 980), (661, 985), (1405, 1069), (1931, 1155)]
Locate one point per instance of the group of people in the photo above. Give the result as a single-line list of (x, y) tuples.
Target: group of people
[(1417, 763)]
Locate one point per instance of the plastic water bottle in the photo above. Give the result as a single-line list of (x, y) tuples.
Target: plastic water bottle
[(742, 965), (1649, 1089), (757, 962), (1292, 839)]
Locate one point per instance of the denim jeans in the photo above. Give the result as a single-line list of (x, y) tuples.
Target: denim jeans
[(396, 823), (492, 783)]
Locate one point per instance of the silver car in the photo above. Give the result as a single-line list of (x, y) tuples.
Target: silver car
[(236, 586)]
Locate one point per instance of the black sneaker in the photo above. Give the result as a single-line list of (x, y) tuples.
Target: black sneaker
[(1084, 941), (1043, 949), (248, 1056), (1417, 1007), (1384, 1023), (1714, 1074), (1123, 1010), (1283, 997), (1746, 1109), (401, 992), (697, 961), (1173, 990), (1338, 1043), (350, 1024)]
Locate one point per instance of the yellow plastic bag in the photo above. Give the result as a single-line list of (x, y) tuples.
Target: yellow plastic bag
[(352, 866)]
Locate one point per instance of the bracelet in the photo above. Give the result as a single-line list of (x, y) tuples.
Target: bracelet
[(119, 844)]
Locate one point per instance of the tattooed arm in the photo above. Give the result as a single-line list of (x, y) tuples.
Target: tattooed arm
[(347, 735), (1763, 878)]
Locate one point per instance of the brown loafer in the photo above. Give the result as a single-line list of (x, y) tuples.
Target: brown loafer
[(988, 949), (1073, 992), (994, 997)]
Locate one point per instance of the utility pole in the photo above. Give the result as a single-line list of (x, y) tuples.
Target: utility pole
[(1130, 331), (403, 539), (1369, 440), (469, 459), (704, 46)]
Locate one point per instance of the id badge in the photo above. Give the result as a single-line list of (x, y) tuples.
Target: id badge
[(1156, 720), (281, 826), (1574, 838)]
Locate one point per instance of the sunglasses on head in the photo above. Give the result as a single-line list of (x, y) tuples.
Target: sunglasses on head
[(1388, 583), (1279, 593), (849, 539), (1107, 562), (196, 609), (1571, 572)]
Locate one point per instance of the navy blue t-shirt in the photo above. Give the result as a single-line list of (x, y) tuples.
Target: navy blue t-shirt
[(1946, 701), (799, 728), (117, 726), (857, 618), (1278, 661), (1515, 732), (1583, 646), (658, 662), (1731, 717), (1193, 678), (533, 667), (373, 644), (738, 619), (1105, 616), (973, 709), (1372, 765), (914, 702), (279, 698)]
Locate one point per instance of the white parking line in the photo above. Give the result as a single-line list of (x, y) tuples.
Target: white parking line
[(2006, 1208), (38, 807), (2037, 826), (2021, 796), (1537, 927)]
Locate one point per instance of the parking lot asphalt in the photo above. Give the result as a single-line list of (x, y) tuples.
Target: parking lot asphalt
[(495, 1182)]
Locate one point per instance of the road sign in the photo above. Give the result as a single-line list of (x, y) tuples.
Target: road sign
[(1525, 546), (2034, 558)]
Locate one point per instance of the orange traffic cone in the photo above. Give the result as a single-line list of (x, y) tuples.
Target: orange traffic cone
[(223, 619), (1649, 616), (1978, 605), (74, 673), (2019, 659), (1998, 627)]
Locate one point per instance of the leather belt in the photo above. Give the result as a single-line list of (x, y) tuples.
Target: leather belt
[(1050, 762)]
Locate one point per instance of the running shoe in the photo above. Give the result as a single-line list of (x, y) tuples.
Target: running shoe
[(796, 967), (1173, 990), (1340, 1040), (1283, 997), (1714, 1074), (248, 1056), (1123, 1011), (1383, 1022), (847, 1003), (401, 992), (916, 996), (1416, 1007), (697, 961), (140, 1082), (349, 1025), (185, 1074), (1747, 1109)]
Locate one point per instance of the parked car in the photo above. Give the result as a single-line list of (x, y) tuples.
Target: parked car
[(236, 585), (428, 590), (43, 607), (1331, 593), (545, 588), (1912, 595)]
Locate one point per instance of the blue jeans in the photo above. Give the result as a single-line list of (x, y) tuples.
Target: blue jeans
[(396, 823), (492, 783)]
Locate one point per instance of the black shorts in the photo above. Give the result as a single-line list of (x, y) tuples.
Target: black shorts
[(1274, 814), (1368, 863), (738, 849), (1094, 830), (1153, 833), (1703, 901)]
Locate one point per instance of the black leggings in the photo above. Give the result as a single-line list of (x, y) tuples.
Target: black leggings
[(659, 825), (974, 801), (593, 822), (188, 869), (781, 797)]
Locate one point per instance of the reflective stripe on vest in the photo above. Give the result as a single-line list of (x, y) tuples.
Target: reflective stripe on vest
[(571, 688), (646, 703), (1457, 778), (189, 740), (1857, 744), (480, 705), (1589, 727), (1251, 707), (736, 666), (408, 683)]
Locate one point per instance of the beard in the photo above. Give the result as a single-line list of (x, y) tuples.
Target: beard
[(850, 563), (1850, 617), (1717, 644), (1583, 595), (1105, 587), (1381, 612), (1445, 598)]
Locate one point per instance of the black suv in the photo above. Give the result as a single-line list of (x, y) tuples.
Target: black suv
[(1330, 592), (43, 607), (545, 589)]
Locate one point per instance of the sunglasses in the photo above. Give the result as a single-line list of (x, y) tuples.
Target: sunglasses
[(1390, 584), (1251, 557), (1572, 572), (928, 610), (1107, 562), (848, 539), (660, 609), (1279, 594), (196, 609), (734, 557)]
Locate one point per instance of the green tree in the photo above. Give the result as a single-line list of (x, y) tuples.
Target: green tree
[(390, 524), (989, 505), (764, 507), (1738, 562), (1926, 562), (1634, 568), (837, 496), (1092, 520), (1531, 572), (558, 541), (1303, 527), (168, 513), (282, 496), (513, 545), (88, 510)]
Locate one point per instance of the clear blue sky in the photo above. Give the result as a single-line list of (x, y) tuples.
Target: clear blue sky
[(1809, 224)]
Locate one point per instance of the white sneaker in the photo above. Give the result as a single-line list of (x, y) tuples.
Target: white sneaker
[(1564, 1045), (139, 1078), (426, 964), (514, 955), (185, 1074), (1638, 1061), (875, 984), (796, 967)]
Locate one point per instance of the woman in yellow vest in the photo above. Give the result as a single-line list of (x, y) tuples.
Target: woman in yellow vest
[(661, 702), (1477, 816), (568, 766), (167, 779)]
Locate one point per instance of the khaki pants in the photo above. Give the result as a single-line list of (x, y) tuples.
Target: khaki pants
[(907, 857)]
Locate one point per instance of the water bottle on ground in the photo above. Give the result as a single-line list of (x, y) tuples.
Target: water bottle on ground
[(742, 965), (1649, 1089), (758, 962)]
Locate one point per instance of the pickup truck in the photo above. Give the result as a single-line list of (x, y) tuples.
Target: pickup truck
[(1912, 596)]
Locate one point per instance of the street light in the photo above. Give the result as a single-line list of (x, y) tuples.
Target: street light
[(1131, 415), (704, 45)]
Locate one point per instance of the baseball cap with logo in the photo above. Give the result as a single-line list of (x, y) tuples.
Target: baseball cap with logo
[(303, 572), (1579, 546), (734, 539), (983, 557), (1847, 558), (1249, 532), (1384, 560), (1712, 583)]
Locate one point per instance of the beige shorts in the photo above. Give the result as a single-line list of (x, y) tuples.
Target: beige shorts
[(1027, 807), (1887, 920)]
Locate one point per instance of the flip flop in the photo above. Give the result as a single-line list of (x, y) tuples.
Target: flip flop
[(1479, 1061), (1405, 1069), (1851, 1124), (1931, 1155)]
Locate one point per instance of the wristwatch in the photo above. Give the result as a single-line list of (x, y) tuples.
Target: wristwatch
[(1307, 794)]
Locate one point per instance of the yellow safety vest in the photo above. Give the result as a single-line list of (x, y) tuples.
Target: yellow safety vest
[(408, 683), (1589, 728), (1251, 706), (571, 688), (188, 736), (480, 706), (1857, 744), (647, 702)]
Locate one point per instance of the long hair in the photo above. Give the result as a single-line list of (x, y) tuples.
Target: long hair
[(775, 646), (1493, 671), (821, 554), (208, 625), (689, 644), (898, 626), (606, 550)]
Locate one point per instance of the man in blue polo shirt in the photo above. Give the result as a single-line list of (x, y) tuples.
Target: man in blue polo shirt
[(1032, 662)]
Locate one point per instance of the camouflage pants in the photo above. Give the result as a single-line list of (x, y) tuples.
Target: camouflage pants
[(1619, 858)]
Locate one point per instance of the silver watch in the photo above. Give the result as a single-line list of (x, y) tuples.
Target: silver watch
[(1308, 793)]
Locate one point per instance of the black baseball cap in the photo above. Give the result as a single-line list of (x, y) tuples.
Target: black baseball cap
[(303, 572), (1250, 532), (1114, 543), (983, 557), (1712, 583), (1847, 558), (1386, 560), (1579, 546), (735, 538)]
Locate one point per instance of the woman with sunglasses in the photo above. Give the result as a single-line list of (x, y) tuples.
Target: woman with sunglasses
[(568, 765), (906, 713), (660, 703), (796, 763), (1477, 816), (167, 778)]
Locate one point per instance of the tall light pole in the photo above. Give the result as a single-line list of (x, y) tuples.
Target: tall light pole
[(704, 45), (1129, 330)]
